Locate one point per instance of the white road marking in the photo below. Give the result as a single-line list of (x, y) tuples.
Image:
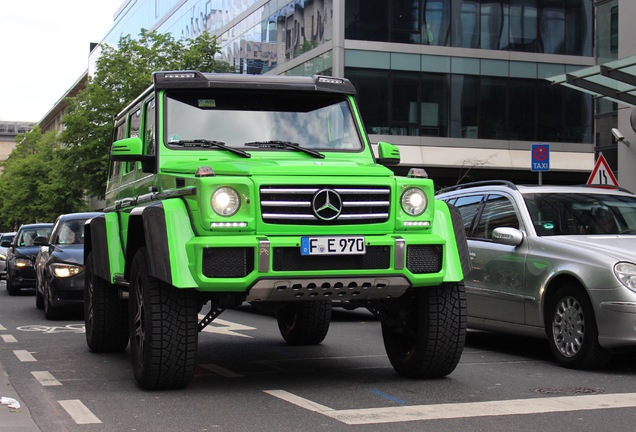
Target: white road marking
[(78, 411), (24, 356), (9, 339), (226, 328), (220, 370), (464, 410), (45, 378), (301, 402), (2, 328)]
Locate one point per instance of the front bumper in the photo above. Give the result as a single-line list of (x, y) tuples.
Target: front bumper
[(23, 277), (615, 311), (68, 291), (273, 269)]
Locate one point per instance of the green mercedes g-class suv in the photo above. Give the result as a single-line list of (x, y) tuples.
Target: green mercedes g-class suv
[(225, 189)]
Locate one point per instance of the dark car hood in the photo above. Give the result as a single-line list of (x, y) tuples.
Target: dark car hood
[(72, 254), (27, 251)]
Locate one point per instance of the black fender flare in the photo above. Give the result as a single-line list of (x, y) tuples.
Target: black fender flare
[(147, 227), (96, 241)]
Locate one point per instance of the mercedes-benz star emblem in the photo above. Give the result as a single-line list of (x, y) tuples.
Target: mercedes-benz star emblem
[(327, 204)]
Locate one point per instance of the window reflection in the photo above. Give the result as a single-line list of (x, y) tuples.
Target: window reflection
[(471, 106), (321, 122), (549, 26)]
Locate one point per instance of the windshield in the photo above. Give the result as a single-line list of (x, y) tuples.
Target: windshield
[(29, 234), (313, 121), (70, 232), (573, 213)]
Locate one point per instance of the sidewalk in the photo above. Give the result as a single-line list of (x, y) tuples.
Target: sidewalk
[(14, 420)]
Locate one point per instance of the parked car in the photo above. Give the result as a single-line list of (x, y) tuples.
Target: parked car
[(21, 255), (3, 253), (555, 261), (60, 266)]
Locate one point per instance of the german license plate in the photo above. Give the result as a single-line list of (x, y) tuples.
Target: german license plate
[(332, 245)]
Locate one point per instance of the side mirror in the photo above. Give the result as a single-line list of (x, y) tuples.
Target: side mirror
[(388, 154), (131, 150), (40, 241), (507, 236)]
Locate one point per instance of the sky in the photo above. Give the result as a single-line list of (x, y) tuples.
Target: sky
[(45, 46)]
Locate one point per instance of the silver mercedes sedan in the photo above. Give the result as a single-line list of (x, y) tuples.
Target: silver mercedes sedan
[(552, 261)]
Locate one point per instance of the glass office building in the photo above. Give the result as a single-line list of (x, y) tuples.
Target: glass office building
[(459, 85)]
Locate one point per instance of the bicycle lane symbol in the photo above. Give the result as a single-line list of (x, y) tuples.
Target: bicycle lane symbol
[(69, 328)]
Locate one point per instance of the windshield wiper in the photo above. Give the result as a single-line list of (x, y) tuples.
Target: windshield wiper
[(205, 143), (284, 145)]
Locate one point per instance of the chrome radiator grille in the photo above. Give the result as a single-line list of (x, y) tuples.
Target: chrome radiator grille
[(325, 205)]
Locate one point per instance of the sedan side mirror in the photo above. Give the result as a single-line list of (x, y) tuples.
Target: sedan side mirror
[(507, 236)]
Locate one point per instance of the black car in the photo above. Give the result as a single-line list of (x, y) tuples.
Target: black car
[(60, 265), (21, 253)]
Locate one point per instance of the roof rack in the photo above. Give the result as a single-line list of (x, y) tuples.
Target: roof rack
[(507, 183)]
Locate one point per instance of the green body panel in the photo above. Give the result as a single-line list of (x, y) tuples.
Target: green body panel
[(179, 232), (115, 253)]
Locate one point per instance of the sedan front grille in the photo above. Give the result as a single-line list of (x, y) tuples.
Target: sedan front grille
[(346, 205)]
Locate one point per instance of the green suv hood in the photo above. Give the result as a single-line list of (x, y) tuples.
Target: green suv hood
[(291, 167)]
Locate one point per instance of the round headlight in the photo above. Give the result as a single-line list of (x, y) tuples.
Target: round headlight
[(626, 273), (225, 201), (414, 201)]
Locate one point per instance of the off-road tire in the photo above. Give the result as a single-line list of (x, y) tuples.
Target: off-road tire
[(105, 314), (428, 339), (304, 323), (570, 326), (163, 326)]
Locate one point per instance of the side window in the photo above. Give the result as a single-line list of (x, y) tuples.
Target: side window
[(149, 137), (115, 167), (498, 212), (469, 206), (135, 123), (134, 131)]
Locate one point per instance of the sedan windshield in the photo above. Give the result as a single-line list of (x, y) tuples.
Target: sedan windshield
[(574, 213), (313, 121)]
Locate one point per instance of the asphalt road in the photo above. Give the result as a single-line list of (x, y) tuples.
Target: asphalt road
[(248, 379)]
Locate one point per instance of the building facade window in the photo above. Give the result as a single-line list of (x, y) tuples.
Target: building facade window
[(541, 26), (465, 105)]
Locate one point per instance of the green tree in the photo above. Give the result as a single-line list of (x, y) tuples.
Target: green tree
[(33, 174), (122, 73)]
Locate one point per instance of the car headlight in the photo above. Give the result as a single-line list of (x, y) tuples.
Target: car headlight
[(225, 201), (414, 201), (626, 273), (3, 257), (23, 262), (65, 270)]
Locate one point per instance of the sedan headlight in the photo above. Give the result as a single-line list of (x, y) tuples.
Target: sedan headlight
[(414, 201), (65, 270), (626, 273), (3, 257), (225, 201), (23, 262)]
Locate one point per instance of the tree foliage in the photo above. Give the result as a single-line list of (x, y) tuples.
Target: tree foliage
[(47, 175), (33, 186)]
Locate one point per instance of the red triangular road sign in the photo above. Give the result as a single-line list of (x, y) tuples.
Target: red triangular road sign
[(602, 174)]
